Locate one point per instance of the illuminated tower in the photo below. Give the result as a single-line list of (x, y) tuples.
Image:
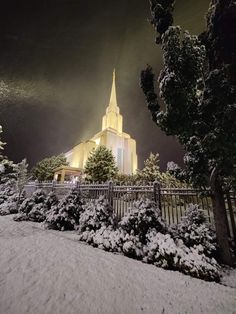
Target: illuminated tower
[(112, 136)]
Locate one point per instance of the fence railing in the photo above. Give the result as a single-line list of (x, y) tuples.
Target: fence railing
[(171, 201)]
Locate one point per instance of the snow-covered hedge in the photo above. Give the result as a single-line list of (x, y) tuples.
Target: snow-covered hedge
[(163, 251), (143, 216), (194, 230), (142, 234), (34, 208), (65, 214), (114, 240), (96, 214), (9, 198)]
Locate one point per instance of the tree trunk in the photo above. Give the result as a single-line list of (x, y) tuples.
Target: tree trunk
[(221, 222)]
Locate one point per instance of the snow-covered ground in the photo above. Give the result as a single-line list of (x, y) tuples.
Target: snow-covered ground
[(44, 271)]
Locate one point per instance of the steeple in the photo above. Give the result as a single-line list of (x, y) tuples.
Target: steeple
[(113, 101), (113, 119)]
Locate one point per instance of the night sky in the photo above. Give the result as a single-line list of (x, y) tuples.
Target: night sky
[(56, 63)]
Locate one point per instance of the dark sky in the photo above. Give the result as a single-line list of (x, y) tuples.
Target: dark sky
[(56, 62)]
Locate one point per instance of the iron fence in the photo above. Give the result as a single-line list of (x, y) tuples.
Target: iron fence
[(171, 201)]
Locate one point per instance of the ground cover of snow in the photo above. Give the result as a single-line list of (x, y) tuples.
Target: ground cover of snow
[(46, 271)]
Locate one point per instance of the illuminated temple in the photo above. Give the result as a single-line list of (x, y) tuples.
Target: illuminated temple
[(112, 136)]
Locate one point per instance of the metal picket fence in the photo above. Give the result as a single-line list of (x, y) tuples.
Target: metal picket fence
[(171, 201)]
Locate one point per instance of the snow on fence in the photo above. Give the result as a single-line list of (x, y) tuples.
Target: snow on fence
[(171, 201)]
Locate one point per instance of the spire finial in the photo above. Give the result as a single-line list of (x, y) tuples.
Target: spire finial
[(113, 101)]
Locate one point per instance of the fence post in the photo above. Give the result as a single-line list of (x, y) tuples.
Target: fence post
[(157, 194), (232, 219), (36, 186), (53, 185), (77, 186), (110, 193)]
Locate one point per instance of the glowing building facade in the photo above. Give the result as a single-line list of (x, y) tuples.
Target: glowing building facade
[(112, 136)]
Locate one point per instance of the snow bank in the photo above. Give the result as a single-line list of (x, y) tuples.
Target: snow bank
[(46, 271)]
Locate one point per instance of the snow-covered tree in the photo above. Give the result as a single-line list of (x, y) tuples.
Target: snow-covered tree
[(7, 183), (6, 166), (100, 166), (198, 86), (151, 171), (126, 179), (44, 169)]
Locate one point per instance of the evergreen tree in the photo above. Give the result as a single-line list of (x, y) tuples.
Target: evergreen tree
[(151, 171), (198, 86), (100, 166), (44, 169), (128, 179)]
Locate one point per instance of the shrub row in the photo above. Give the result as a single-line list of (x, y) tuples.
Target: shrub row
[(142, 234)]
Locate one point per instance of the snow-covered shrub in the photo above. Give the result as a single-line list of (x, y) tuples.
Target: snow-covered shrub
[(108, 239), (65, 214), (105, 238), (197, 264), (96, 213), (142, 234), (8, 207), (132, 246), (8, 198), (37, 198), (143, 216), (194, 230), (163, 251), (51, 200), (160, 250), (33, 208)]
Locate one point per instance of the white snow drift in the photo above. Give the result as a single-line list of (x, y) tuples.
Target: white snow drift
[(45, 271)]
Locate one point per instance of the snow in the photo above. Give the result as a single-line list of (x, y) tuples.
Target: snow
[(47, 271)]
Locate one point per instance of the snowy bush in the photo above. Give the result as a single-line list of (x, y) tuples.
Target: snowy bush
[(163, 251), (8, 198), (108, 239), (143, 216), (65, 214), (160, 250), (51, 200), (11, 203), (96, 213), (194, 230), (33, 208), (197, 264)]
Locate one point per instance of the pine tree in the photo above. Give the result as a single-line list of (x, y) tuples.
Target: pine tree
[(198, 86), (44, 169), (151, 171), (100, 166)]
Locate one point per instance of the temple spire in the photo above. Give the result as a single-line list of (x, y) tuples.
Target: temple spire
[(113, 119), (113, 101)]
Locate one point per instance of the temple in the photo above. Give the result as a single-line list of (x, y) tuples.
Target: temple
[(112, 136)]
